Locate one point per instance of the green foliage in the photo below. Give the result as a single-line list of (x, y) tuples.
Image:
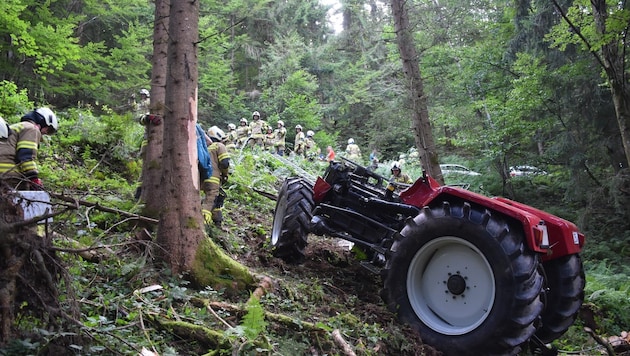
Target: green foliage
[(253, 322), (609, 289), (13, 101)]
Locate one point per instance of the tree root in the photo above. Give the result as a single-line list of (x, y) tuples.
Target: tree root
[(599, 340)]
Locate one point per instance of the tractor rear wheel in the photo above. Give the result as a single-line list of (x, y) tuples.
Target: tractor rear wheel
[(291, 220), (463, 278), (565, 283)]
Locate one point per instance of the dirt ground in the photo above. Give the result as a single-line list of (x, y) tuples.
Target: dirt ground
[(344, 285)]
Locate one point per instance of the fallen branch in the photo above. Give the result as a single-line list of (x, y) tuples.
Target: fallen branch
[(599, 340), (201, 334), (97, 206), (342, 343), (265, 194), (287, 321), (265, 285)]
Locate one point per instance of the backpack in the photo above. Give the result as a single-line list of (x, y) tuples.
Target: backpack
[(205, 162)]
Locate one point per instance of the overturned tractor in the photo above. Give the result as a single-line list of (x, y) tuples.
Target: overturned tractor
[(472, 274)]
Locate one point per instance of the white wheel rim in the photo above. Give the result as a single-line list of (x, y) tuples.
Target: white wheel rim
[(450, 285)]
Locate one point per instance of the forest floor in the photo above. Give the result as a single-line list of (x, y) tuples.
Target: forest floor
[(332, 284)]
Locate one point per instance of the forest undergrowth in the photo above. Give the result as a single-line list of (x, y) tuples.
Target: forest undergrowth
[(329, 305)]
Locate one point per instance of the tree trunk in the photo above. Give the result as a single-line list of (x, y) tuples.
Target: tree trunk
[(184, 247), (423, 133), (614, 65), (180, 230), (151, 165)]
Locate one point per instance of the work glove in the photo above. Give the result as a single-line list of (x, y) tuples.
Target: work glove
[(37, 184), (154, 119)]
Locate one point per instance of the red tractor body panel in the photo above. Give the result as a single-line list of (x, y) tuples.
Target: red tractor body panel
[(545, 233)]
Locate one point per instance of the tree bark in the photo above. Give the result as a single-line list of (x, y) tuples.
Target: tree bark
[(180, 230), (184, 246), (151, 164), (423, 133)]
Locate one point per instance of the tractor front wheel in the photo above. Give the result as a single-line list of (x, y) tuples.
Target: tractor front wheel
[(291, 220)]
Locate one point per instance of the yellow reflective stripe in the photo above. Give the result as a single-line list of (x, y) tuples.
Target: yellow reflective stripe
[(213, 179), (17, 127), (223, 156), (28, 166), (31, 145), (5, 167)]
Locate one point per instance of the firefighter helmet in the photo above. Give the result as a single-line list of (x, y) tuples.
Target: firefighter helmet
[(350, 141), (4, 128), (231, 126), (216, 134), (48, 118), (310, 133), (280, 122)]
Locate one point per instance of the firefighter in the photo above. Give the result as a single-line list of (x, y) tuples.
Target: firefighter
[(243, 132), (270, 139), (232, 137), (18, 150), (353, 152), (280, 135), (397, 174), (258, 130), (215, 196), (299, 145), (311, 149)]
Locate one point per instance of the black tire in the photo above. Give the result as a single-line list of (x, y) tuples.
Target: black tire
[(291, 220), (564, 294), (463, 278)]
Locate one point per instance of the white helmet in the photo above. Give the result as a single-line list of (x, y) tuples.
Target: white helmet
[(144, 92), (298, 126), (256, 113), (280, 122), (4, 128), (243, 121), (350, 141), (50, 119), (231, 126), (216, 134), (310, 133), (395, 165)]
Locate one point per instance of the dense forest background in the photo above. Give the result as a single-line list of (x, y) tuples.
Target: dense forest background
[(504, 85), (507, 84)]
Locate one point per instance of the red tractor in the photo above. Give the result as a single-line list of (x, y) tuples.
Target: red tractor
[(473, 275)]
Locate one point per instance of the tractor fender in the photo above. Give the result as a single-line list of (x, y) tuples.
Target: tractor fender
[(545, 233)]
